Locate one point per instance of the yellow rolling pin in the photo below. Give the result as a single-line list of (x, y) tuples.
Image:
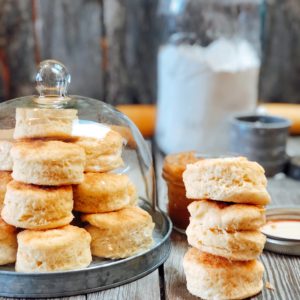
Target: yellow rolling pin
[(285, 110), (143, 115)]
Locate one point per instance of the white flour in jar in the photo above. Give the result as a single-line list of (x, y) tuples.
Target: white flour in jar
[(199, 90)]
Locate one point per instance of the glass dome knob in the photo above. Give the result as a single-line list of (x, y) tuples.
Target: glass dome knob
[(52, 79)]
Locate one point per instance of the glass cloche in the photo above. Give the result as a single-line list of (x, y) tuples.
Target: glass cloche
[(77, 116), (81, 209)]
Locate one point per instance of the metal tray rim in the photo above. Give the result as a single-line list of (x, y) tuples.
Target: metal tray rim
[(168, 233), (97, 277), (93, 290)]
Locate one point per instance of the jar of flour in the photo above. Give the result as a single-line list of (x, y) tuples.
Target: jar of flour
[(208, 68)]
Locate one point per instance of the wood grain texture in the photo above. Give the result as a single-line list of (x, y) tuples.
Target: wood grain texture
[(145, 288), (131, 46), (82, 297), (282, 271), (70, 31), (17, 61), (281, 52), (121, 68)]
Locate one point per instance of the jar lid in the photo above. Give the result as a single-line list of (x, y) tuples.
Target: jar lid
[(282, 230)]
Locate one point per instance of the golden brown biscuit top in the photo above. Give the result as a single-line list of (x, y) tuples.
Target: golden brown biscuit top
[(5, 177), (53, 238), (40, 150), (111, 143), (215, 262), (130, 216), (126, 133), (230, 167), (6, 228), (19, 186), (105, 182)]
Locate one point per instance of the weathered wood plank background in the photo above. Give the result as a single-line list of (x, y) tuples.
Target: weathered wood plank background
[(110, 47)]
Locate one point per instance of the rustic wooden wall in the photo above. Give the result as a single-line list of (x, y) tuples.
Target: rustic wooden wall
[(132, 42), (17, 48), (110, 47), (280, 73), (70, 31), (34, 30)]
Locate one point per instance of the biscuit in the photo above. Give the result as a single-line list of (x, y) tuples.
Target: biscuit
[(227, 216), (48, 162), (6, 163), (37, 207), (126, 133), (5, 178), (8, 243), (102, 154), (226, 179), (213, 277), (44, 123), (64, 248), (238, 245), (103, 192), (120, 234)]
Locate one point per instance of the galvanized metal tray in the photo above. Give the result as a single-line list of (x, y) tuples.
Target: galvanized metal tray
[(100, 275)]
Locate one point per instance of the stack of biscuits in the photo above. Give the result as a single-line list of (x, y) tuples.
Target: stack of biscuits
[(107, 201), (8, 233), (224, 229), (39, 199), (59, 165)]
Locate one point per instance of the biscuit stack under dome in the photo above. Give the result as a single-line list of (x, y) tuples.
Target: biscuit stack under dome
[(8, 233), (60, 165), (224, 229), (107, 201), (39, 199)]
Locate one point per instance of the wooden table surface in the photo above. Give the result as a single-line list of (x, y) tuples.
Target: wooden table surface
[(168, 282)]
